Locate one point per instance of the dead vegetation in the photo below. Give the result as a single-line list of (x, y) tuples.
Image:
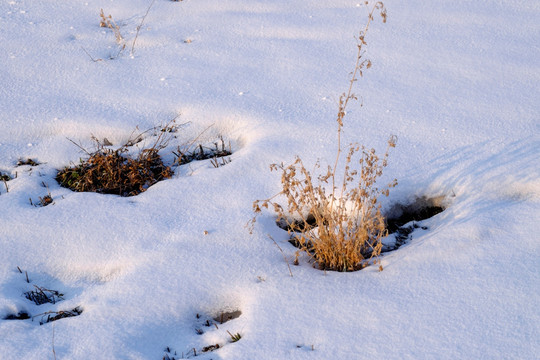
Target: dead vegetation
[(211, 323), (107, 170), (217, 153), (168, 352), (112, 171), (4, 177), (39, 296), (108, 22), (336, 221), (234, 337), (42, 296), (51, 316), (28, 161), (45, 200)]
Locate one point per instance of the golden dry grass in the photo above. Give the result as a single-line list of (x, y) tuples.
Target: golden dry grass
[(109, 171), (336, 220)]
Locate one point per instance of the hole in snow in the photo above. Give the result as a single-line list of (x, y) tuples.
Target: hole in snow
[(401, 219), (22, 315), (225, 316), (420, 209)]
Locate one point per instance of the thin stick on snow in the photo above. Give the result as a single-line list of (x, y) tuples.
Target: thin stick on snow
[(54, 352), (140, 25), (90, 56), (282, 253)]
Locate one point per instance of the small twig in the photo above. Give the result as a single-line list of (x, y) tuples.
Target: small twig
[(139, 27), (27, 280), (282, 253), (80, 147), (54, 352), (90, 56), (345, 97), (18, 268)]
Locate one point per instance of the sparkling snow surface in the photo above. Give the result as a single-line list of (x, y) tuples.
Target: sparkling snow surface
[(456, 81)]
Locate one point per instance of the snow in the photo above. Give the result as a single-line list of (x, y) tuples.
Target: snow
[(456, 81)]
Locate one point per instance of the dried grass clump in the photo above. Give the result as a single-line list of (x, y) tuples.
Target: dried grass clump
[(42, 295), (340, 229), (109, 171), (336, 221), (189, 153)]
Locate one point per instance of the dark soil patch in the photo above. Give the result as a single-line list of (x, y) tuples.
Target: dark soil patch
[(227, 315), (298, 225), (399, 215), (420, 209)]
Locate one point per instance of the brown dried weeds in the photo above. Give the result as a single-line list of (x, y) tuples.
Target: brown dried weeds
[(341, 227), (109, 171)]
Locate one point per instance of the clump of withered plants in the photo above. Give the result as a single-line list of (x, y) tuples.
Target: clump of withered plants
[(220, 150), (112, 171), (336, 221)]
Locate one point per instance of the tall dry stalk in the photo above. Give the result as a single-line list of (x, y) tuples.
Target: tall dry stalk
[(140, 26), (340, 228)]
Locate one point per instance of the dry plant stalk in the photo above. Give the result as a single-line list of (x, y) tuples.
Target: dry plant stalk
[(140, 26), (340, 229), (57, 315), (108, 22)]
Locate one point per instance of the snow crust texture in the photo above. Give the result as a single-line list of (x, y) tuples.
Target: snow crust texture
[(154, 274)]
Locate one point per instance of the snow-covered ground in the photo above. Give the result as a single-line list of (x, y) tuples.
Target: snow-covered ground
[(456, 81)]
